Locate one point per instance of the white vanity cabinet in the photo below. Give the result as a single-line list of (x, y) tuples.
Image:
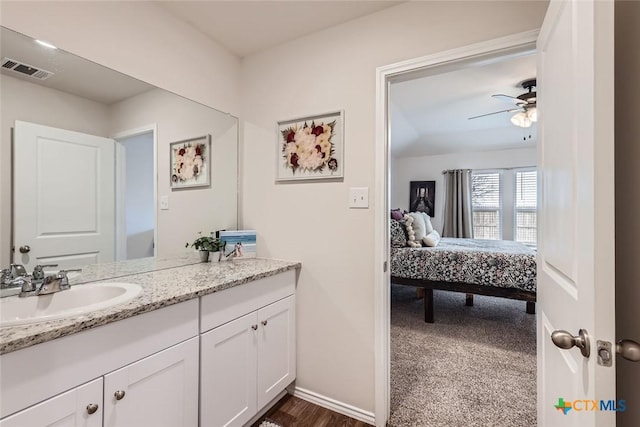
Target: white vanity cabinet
[(212, 361), (79, 407), (153, 357), (160, 390), (247, 349)]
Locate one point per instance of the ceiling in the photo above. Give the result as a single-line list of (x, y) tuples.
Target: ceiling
[(430, 115), (246, 27)]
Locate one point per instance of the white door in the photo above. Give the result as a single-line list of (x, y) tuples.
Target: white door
[(276, 349), (79, 407), (228, 373), (63, 197), (576, 243), (160, 390)]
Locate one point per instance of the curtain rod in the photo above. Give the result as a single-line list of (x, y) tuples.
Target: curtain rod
[(491, 169), (456, 170)]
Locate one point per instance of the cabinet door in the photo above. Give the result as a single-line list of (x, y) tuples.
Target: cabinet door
[(276, 349), (69, 409), (228, 373), (159, 390)]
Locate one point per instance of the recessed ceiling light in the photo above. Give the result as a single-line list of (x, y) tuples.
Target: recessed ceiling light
[(45, 44)]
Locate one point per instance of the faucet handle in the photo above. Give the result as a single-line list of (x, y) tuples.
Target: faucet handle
[(18, 270), (62, 274), (38, 270)]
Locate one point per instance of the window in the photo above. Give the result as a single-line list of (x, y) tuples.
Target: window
[(504, 203), (525, 207), (486, 201)]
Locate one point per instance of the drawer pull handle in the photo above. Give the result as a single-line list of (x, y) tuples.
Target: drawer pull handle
[(119, 394), (92, 408), (264, 323)]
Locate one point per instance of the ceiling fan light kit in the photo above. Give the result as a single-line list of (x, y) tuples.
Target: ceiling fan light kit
[(521, 119), (525, 103)]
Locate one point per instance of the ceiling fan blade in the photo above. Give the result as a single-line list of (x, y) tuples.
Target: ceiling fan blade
[(509, 98), (497, 112)]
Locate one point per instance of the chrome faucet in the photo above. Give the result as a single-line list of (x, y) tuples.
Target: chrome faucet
[(12, 277), (16, 276), (56, 283)]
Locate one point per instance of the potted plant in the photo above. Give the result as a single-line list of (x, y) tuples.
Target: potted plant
[(206, 244)]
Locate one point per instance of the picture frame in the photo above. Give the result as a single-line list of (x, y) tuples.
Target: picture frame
[(190, 163), (239, 244), (422, 197), (311, 147)]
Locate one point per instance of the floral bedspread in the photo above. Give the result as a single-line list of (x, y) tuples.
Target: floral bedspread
[(499, 263)]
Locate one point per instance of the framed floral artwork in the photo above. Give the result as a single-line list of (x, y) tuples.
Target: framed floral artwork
[(190, 162), (311, 147)]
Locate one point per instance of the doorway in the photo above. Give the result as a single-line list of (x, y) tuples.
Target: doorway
[(436, 64), (136, 181)]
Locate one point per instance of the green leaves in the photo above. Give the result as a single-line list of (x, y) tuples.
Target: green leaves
[(206, 243)]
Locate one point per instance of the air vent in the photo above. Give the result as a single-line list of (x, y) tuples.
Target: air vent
[(25, 69)]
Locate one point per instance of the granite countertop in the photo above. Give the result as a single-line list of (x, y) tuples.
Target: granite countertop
[(160, 288)]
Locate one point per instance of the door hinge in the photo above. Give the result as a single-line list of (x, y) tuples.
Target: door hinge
[(384, 267)]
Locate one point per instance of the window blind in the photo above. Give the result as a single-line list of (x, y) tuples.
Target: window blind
[(526, 197), (486, 200)]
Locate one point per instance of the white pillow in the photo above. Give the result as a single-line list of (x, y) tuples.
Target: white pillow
[(419, 226), (411, 234), (432, 239), (427, 222)]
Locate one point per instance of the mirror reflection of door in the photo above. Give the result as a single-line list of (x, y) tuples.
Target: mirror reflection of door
[(136, 196), (63, 197)]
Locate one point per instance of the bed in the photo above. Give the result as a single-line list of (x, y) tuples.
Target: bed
[(497, 268)]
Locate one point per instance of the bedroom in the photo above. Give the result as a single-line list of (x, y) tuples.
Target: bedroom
[(431, 132)]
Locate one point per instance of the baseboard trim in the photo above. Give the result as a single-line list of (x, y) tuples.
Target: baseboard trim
[(334, 405)]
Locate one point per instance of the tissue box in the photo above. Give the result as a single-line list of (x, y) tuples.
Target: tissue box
[(240, 243)]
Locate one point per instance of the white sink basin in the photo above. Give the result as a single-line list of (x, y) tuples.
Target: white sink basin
[(79, 300)]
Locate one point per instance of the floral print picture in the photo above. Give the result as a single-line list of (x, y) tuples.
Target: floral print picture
[(311, 147), (190, 162)]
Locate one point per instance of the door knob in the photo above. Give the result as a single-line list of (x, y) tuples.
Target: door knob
[(565, 340), (24, 249), (119, 395), (629, 349), (92, 408)]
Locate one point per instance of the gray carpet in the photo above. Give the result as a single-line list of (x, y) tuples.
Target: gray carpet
[(475, 366)]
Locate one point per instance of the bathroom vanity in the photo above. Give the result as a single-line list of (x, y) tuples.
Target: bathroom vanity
[(208, 344)]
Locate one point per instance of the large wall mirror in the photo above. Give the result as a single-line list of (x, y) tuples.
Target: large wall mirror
[(98, 166)]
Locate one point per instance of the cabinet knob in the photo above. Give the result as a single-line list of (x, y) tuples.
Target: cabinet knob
[(264, 323), (92, 408), (119, 395), (254, 327)]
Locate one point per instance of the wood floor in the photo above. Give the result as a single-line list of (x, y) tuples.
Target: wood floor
[(294, 412)]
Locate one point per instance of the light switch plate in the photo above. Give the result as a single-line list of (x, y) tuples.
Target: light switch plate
[(164, 203), (359, 198)]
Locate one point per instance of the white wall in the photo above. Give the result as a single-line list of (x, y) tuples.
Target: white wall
[(310, 222), (203, 209), (139, 201), (627, 93), (29, 102), (137, 38), (429, 168)]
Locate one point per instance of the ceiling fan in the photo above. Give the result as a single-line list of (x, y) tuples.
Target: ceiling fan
[(525, 105)]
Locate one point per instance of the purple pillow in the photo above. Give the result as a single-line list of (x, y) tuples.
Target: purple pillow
[(397, 214)]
